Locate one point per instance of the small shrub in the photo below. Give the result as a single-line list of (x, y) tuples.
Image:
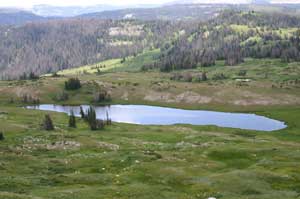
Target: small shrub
[(1, 136), (27, 98), (100, 124), (187, 77), (33, 76), (72, 120), (242, 73), (204, 76), (72, 84), (11, 100), (108, 119), (48, 124), (82, 114), (219, 76), (63, 96), (98, 71), (55, 74), (176, 77), (101, 96), (123, 60)]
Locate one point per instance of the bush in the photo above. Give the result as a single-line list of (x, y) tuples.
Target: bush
[(48, 124), (55, 74), (204, 76), (176, 77), (63, 96), (72, 120), (219, 76), (27, 98), (101, 96), (82, 114), (108, 119), (187, 77), (1, 136), (31, 76), (72, 84), (242, 73)]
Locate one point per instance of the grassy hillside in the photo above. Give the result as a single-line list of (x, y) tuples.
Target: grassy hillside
[(130, 64), (254, 83), (131, 161)]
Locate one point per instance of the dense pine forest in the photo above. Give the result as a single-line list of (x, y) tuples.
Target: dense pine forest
[(59, 44), (231, 37), (47, 47)]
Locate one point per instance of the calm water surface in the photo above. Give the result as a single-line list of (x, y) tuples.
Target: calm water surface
[(153, 115)]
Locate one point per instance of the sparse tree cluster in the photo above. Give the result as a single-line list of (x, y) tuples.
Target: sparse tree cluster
[(72, 84), (90, 117)]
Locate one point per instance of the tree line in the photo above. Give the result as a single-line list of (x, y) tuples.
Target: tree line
[(231, 37), (46, 47)]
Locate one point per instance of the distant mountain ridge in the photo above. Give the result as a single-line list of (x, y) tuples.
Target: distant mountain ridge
[(10, 16), (71, 11), (148, 12), (167, 12)]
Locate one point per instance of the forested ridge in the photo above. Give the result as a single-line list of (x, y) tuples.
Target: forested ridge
[(231, 37), (47, 47), (59, 44)]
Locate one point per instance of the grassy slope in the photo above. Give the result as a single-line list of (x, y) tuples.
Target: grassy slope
[(131, 64), (131, 161)]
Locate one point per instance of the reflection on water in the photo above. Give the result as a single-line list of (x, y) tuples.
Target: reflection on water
[(152, 115)]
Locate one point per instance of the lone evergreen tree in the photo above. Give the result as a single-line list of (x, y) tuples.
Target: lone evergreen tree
[(82, 114), (48, 124), (1, 136), (72, 120), (91, 118), (204, 76)]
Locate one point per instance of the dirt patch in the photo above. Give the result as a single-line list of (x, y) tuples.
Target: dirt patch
[(109, 146), (184, 130), (63, 145), (186, 97), (158, 96), (126, 30), (192, 97), (21, 91), (256, 99), (37, 143), (125, 96)]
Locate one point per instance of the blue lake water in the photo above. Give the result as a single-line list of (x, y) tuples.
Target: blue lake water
[(153, 115)]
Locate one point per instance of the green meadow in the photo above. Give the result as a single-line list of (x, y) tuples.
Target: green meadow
[(128, 161)]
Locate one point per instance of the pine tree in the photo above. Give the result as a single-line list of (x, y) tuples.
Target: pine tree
[(204, 76), (1, 136), (72, 120), (82, 112), (48, 124), (91, 118)]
